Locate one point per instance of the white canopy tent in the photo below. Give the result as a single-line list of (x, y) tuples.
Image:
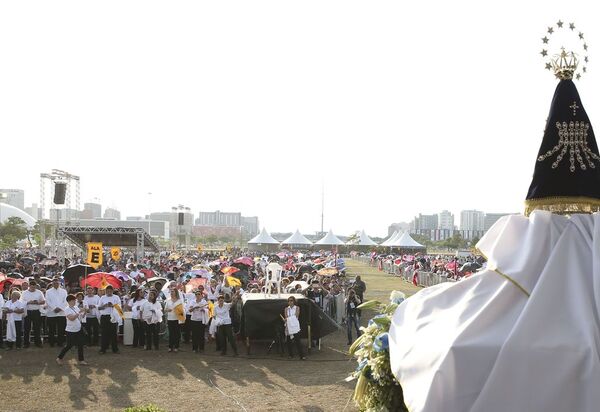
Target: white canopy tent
[(263, 238), (405, 241), (297, 239), (330, 240), (391, 238), (364, 240)]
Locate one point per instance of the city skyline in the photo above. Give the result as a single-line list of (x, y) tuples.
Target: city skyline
[(255, 114)]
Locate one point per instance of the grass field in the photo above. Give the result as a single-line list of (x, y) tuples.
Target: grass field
[(379, 284), (31, 380)]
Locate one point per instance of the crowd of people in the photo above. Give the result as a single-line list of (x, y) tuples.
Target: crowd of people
[(39, 306)]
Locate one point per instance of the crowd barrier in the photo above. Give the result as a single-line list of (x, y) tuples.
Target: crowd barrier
[(405, 271)]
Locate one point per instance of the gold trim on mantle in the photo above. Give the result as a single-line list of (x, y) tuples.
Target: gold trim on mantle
[(563, 205)]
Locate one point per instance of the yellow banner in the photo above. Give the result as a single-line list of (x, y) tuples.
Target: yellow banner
[(94, 254), (115, 253), (119, 310), (180, 313)]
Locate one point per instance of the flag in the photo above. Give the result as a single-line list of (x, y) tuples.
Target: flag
[(211, 309), (179, 312), (118, 308)]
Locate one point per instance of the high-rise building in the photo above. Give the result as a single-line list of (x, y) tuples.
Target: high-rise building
[(173, 218), (424, 222), (13, 197), (472, 220), (219, 218), (250, 225), (33, 211), (111, 213), (445, 220), (491, 218), (398, 227), (91, 211)]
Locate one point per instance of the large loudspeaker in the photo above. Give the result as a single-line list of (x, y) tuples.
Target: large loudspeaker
[(180, 219), (60, 189)]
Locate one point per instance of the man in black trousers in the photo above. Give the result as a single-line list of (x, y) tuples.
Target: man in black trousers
[(33, 299), (107, 327)]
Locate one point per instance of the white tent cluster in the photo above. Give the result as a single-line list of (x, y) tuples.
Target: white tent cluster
[(397, 240)]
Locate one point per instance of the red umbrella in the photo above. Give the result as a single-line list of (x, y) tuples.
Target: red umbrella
[(245, 261), (9, 282), (194, 283), (101, 280), (148, 273)]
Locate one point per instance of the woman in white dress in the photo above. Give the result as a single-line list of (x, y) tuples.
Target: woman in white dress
[(292, 327)]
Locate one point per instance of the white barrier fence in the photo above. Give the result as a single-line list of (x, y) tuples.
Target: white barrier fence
[(405, 271)]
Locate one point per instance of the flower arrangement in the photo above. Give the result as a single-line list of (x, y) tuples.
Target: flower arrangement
[(376, 388)]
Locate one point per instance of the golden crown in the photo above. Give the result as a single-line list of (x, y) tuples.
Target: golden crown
[(564, 64)]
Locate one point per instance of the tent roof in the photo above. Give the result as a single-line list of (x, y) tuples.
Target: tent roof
[(365, 240), (391, 238), (330, 239), (405, 241), (297, 239), (263, 238)]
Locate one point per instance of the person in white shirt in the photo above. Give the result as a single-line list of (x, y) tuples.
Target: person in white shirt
[(292, 327), (198, 310), (73, 316), (223, 323), (173, 322), (14, 310), (107, 326), (187, 327), (90, 303), (33, 300), (139, 330), (151, 313), (56, 301), (211, 291)]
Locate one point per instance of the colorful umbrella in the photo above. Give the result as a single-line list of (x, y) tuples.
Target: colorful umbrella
[(101, 280), (245, 261), (194, 283), (148, 273), (328, 271), (229, 270)]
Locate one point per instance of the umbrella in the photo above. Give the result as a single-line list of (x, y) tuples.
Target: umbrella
[(203, 273), (28, 260), (121, 275), (73, 273), (15, 275), (245, 261), (229, 270), (328, 271), (49, 262), (292, 286), (156, 280), (174, 256), (148, 273), (200, 267), (40, 255), (305, 269), (6, 265), (101, 280), (194, 283)]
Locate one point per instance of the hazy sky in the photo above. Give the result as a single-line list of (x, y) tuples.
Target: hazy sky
[(398, 107)]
